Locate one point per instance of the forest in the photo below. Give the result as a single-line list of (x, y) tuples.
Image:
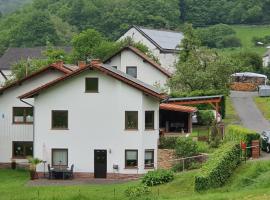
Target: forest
[(56, 21)]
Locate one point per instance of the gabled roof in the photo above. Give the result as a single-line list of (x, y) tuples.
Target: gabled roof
[(144, 57), (110, 71), (164, 40), (13, 55), (55, 66)]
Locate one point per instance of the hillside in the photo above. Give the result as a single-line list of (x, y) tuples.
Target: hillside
[(7, 6)]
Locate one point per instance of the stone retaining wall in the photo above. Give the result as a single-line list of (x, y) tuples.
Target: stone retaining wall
[(165, 158)]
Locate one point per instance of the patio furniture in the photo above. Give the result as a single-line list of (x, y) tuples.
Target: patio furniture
[(50, 172), (69, 174), (60, 172)]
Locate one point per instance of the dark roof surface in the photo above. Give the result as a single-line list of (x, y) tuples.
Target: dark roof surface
[(148, 89), (195, 98), (13, 55), (165, 40)]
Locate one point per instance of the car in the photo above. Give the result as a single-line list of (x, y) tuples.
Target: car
[(265, 141)]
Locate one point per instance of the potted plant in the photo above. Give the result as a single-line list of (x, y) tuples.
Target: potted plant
[(33, 162), (13, 164)]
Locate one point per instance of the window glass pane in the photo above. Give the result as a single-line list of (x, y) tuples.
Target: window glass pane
[(29, 115), (131, 120), (22, 149), (91, 84), (149, 158), (59, 157), (132, 71), (59, 119), (131, 158), (149, 119), (18, 115), (115, 67)]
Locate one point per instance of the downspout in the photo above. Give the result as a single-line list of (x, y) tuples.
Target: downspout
[(33, 122)]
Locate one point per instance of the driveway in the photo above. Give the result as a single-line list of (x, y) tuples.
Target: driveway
[(249, 114)]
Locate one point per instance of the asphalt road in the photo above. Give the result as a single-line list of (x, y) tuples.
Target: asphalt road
[(249, 114)]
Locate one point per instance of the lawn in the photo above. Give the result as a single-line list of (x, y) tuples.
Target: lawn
[(250, 181), (263, 103), (231, 114), (246, 33)]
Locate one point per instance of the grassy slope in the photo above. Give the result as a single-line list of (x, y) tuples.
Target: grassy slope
[(231, 115), (250, 181), (246, 33), (263, 103)]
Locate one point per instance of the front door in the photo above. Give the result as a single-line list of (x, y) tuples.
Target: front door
[(100, 163)]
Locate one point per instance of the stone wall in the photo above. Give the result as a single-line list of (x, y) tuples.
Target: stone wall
[(166, 158)]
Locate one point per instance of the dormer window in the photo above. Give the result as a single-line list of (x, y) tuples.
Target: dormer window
[(132, 71), (91, 85)]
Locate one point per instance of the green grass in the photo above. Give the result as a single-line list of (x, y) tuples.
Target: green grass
[(231, 114), (263, 103), (250, 181), (245, 33)]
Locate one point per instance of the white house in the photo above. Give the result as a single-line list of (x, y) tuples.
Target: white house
[(16, 117), (135, 63), (266, 59), (100, 119), (163, 43)]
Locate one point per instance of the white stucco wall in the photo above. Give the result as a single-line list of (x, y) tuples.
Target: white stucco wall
[(10, 132), (96, 121), (167, 60), (145, 71)]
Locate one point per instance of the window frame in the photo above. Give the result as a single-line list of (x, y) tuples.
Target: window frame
[(137, 158), (126, 124), (132, 67), (152, 127), (58, 149), (24, 115), (153, 155), (58, 128), (115, 67), (24, 149), (91, 91)]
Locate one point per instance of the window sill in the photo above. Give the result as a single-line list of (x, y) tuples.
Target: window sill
[(150, 129), (131, 129), (59, 129), (22, 123), (131, 168), (19, 158), (149, 167), (91, 92)]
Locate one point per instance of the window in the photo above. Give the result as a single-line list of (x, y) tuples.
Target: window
[(149, 158), (149, 119), (59, 157), (91, 85), (115, 67), (22, 149), (131, 158), (132, 71), (131, 120), (59, 119), (23, 115)]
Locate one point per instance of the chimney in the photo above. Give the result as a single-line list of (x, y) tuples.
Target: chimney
[(59, 63), (96, 61), (81, 64)]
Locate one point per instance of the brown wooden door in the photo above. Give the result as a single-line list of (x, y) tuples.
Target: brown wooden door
[(100, 164)]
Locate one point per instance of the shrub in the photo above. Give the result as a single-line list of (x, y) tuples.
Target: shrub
[(167, 142), (216, 171), (136, 192), (186, 147), (205, 117), (203, 147), (158, 177), (230, 41), (238, 133), (215, 136)]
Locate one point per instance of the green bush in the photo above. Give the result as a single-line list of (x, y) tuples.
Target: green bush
[(230, 41), (167, 142), (186, 147), (216, 171), (136, 192), (205, 117), (203, 147), (238, 133), (157, 177)]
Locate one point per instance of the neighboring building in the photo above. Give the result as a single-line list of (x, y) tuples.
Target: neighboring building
[(14, 55), (163, 43), (16, 117), (132, 61), (266, 59), (100, 119)]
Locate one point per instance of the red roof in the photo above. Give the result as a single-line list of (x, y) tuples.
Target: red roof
[(94, 65), (144, 57), (55, 66), (174, 107)]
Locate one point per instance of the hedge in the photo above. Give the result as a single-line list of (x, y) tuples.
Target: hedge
[(216, 171), (238, 133)]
